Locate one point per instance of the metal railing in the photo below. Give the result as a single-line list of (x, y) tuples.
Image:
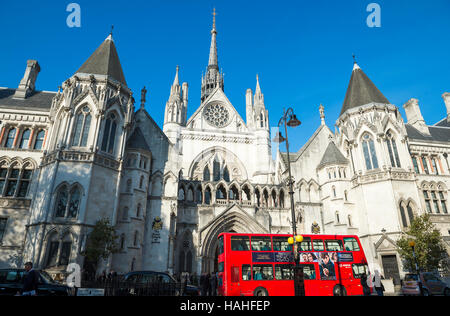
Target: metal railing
[(127, 288)]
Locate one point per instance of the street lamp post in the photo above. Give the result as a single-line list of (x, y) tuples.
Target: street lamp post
[(289, 119)]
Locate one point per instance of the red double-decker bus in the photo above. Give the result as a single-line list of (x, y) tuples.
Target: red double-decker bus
[(262, 265)]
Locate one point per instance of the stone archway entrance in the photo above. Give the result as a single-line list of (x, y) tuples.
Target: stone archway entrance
[(235, 220)]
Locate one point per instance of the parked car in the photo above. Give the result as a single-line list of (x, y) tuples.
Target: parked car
[(11, 282), (152, 283), (431, 285)]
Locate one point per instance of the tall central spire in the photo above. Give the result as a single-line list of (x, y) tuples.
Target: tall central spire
[(213, 62), (213, 78)]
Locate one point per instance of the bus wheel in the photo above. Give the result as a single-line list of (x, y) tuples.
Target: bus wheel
[(260, 291), (337, 291)]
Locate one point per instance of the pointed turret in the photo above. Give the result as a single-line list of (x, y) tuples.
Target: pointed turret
[(176, 106), (104, 61), (213, 77), (260, 113), (361, 91)]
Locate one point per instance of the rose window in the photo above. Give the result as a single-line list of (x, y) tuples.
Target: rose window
[(216, 115)]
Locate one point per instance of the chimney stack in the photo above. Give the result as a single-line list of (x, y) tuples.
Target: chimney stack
[(446, 97), (414, 116), (28, 82)]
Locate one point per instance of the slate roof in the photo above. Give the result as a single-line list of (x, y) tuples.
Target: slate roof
[(361, 90), (37, 101), (437, 134), (137, 141), (332, 156), (105, 61)]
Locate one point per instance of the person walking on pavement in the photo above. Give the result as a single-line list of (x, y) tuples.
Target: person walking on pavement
[(379, 288), (213, 282), (30, 281), (365, 286)]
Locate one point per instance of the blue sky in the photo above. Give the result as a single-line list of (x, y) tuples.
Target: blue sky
[(302, 50)]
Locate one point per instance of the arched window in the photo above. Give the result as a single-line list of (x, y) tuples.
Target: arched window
[(190, 194), (58, 250), (138, 210), (234, 193), (350, 221), (198, 195), (226, 175), (265, 198), (206, 174), (346, 195), (338, 221), (61, 202), (10, 138), (82, 125), (133, 264), (141, 182), (246, 195), (334, 191), (216, 171), (403, 215), (74, 204), (258, 197), (282, 199), (392, 148), (274, 199), (208, 196), (221, 193), (68, 202), (39, 142), (370, 155), (14, 182), (181, 194), (25, 139), (109, 134)]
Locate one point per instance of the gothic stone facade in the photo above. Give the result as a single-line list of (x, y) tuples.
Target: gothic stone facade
[(83, 153)]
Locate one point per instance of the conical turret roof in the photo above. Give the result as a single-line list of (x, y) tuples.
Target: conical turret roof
[(105, 61), (361, 90)]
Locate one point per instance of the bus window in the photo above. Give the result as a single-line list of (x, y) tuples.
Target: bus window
[(221, 245), (334, 245), (262, 272), (281, 244), (309, 271), (318, 245), (246, 272), (240, 243), (350, 244), (261, 244), (305, 245), (359, 270), (284, 272)]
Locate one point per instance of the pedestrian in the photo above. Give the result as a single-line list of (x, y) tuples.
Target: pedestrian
[(202, 284), (365, 286), (208, 284), (213, 284), (379, 287), (30, 281)]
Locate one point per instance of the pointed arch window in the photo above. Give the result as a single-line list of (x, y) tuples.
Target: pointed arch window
[(138, 210), (392, 148), (24, 140), (370, 155), (221, 193), (10, 138), (68, 202), (82, 126), (226, 175), (58, 250), (206, 174), (198, 195), (39, 142), (208, 196), (109, 134), (216, 171)]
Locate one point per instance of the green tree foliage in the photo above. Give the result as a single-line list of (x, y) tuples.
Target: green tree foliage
[(429, 246), (101, 242)]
